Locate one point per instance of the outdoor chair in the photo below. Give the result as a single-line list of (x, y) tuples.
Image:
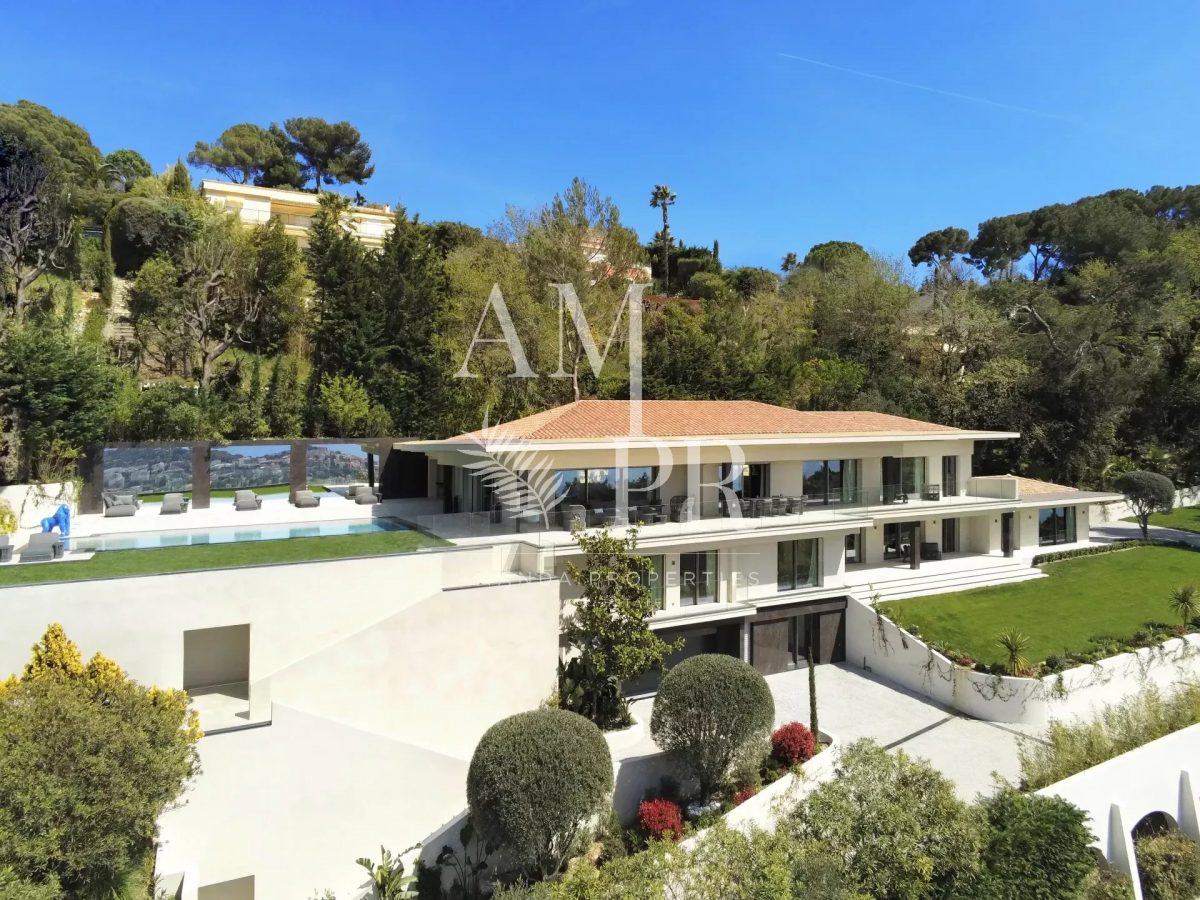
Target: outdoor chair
[(366, 496), (118, 504), (42, 547), (5, 549), (930, 550), (795, 505), (246, 501), (173, 505), (306, 500), (682, 508), (575, 516), (932, 492)]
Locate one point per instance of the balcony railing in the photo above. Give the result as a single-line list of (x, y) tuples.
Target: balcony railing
[(679, 511)]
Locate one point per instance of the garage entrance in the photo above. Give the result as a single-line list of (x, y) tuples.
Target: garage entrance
[(781, 637), (717, 637)]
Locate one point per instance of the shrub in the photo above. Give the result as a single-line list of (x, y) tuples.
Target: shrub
[(898, 820), (1104, 883), (8, 518), (533, 781), (793, 743), (1169, 865), (745, 794), (1147, 493), (1036, 847), (708, 709), (1072, 747), (661, 818)]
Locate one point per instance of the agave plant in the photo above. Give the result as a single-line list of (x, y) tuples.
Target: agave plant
[(1014, 643), (1185, 603)]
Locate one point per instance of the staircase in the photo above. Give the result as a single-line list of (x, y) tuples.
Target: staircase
[(923, 581)]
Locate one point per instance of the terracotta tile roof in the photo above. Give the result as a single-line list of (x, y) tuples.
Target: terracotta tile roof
[(599, 419)]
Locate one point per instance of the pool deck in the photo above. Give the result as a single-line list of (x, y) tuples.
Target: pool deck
[(276, 510)]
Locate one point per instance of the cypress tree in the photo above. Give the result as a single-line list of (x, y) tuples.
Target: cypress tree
[(180, 183)]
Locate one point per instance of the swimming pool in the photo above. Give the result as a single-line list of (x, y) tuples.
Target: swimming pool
[(152, 540)]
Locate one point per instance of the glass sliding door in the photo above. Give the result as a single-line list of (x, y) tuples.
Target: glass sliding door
[(949, 476), (1056, 525), (830, 480), (949, 535), (698, 578), (898, 539), (903, 476), (799, 564), (651, 575)]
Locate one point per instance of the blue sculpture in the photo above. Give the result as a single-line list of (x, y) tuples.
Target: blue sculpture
[(60, 520)]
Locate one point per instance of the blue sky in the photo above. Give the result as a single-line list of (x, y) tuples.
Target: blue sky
[(945, 114)]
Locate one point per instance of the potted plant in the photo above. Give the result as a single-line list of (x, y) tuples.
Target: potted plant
[(8, 525)]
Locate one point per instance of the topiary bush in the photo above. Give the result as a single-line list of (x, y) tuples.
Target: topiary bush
[(1146, 493), (661, 818), (534, 780), (793, 743), (708, 709), (1169, 865)]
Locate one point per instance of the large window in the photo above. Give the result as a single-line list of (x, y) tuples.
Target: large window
[(591, 488), (799, 564), (831, 480), (652, 576), (902, 476), (898, 538), (697, 578), (748, 481), (1056, 525), (640, 492)]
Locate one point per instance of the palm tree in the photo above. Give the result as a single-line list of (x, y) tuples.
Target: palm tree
[(1185, 603), (1014, 643), (661, 198)]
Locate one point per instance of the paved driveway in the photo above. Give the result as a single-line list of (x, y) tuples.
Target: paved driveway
[(852, 704), (1127, 531)]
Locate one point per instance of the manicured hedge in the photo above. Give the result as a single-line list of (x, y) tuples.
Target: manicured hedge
[(533, 781), (1169, 865), (709, 709)]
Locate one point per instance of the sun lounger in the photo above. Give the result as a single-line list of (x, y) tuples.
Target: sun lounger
[(119, 504), (173, 504), (42, 548), (5, 549), (245, 501), (306, 500)]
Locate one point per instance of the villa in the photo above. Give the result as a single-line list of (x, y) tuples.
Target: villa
[(757, 520), (255, 205)]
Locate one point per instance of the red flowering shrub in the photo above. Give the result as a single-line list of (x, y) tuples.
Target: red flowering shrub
[(744, 794), (792, 743), (661, 818)]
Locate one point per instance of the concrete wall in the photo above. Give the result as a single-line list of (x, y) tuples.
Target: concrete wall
[(439, 672), (292, 610), (32, 503), (1117, 794), (876, 642)]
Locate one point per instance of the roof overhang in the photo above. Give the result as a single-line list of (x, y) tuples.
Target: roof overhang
[(630, 443)]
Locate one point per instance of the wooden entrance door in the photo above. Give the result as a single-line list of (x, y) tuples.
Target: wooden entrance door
[(770, 645), (831, 637)]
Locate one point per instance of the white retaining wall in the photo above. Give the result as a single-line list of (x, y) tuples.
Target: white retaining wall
[(1158, 777), (876, 642)]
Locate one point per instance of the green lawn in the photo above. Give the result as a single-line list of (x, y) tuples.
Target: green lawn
[(1185, 518), (267, 489), (1108, 595), (117, 563)]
